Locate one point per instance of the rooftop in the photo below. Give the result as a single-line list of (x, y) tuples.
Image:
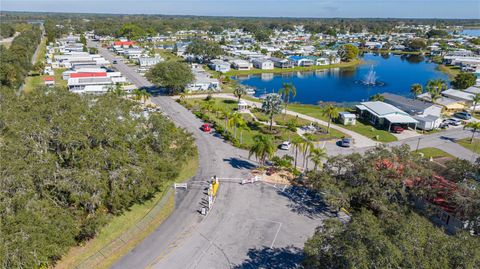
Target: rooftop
[(411, 106)]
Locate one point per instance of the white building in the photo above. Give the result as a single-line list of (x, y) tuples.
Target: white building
[(241, 64), (263, 64), (149, 61)]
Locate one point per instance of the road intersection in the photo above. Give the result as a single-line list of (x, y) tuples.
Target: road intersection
[(250, 226)]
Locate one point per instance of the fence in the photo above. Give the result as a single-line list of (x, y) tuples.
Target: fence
[(93, 260)]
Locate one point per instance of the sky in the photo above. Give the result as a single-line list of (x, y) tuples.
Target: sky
[(459, 9)]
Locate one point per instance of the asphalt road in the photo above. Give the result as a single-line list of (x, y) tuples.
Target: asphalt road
[(250, 226)]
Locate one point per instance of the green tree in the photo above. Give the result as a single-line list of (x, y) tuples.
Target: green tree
[(174, 76), (131, 31), (464, 80), (377, 97), (416, 89), (263, 148), (475, 126), (236, 120), (476, 101), (317, 155), (272, 105), (331, 112), (348, 52), (239, 92), (206, 49), (287, 90), (435, 87), (416, 44)]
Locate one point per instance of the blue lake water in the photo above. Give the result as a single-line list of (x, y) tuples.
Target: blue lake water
[(344, 85), (471, 32)]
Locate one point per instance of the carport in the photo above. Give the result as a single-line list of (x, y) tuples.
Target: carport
[(399, 119)]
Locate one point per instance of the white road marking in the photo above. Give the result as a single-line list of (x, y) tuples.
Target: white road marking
[(276, 234)]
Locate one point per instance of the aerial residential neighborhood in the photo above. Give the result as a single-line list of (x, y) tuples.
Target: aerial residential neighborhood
[(239, 135)]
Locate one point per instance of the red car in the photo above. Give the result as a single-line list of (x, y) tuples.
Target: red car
[(397, 129), (206, 128)]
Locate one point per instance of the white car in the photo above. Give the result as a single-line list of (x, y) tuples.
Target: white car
[(285, 145), (454, 122)]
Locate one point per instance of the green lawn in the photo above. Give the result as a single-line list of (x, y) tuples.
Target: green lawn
[(168, 55), (467, 143), (32, 82), (293, 69), (245, 135), (118, 225), (434, 153), (451, 71), (360, 128)]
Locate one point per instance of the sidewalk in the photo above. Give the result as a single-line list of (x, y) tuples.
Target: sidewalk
[(360, 140)]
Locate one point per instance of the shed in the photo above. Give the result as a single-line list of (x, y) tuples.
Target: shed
[(242, 106), (347, 118)]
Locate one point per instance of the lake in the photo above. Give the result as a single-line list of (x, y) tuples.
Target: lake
[(471, 32), (344, 85)]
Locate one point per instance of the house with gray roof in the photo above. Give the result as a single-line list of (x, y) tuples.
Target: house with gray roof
[(385, 115), (427, 114)]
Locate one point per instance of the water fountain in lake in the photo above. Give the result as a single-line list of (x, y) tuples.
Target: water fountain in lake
[(371, 78)]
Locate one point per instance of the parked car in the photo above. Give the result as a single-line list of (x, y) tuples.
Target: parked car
[(285, 145), (454, 122), (206, 128), (397, 129), (463, 115), (346, 142), (114, 62)]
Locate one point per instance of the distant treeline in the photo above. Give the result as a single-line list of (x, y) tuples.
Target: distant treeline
[(16, 61), (115, 25)]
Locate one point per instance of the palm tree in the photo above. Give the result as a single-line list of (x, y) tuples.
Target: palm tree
[(288, 88), (476, 100), (331, 112), (416, 89), (207, 105), (239, 92), (272, 105), (263, 148), (475, 126), (317, 155), (305, 147), (236, 120), (137, 94), (296, 142), (226, 114), (144, 95)]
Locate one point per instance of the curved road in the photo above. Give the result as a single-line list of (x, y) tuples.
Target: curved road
[(250, 226)]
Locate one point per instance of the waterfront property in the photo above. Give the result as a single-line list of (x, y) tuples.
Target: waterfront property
[(384, 115), (394, 74)]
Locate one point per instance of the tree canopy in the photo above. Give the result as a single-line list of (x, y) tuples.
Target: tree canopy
[(387, 230), (464, 80), (172, 75), (348, 52), (206, 49), (69, 162)]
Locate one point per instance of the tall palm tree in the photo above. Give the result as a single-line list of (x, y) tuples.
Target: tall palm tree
[(416, 89), (226, 115), (331, 112), (272, 105), (317, 155), (239, 92), (305, 147), (263, 148), (296, 142), (476, 100), (287, 90), (236, 120), (475, 126)]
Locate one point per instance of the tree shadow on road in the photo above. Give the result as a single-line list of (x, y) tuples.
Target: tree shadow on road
[(239, 163), (305, 201), (287, 257)]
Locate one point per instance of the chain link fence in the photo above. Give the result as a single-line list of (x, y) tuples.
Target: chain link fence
[(93, 260)]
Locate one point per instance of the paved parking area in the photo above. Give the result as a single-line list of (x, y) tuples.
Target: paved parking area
[(256, 225)]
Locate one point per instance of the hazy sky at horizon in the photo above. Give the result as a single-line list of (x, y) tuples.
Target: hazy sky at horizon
[(262, 8)]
